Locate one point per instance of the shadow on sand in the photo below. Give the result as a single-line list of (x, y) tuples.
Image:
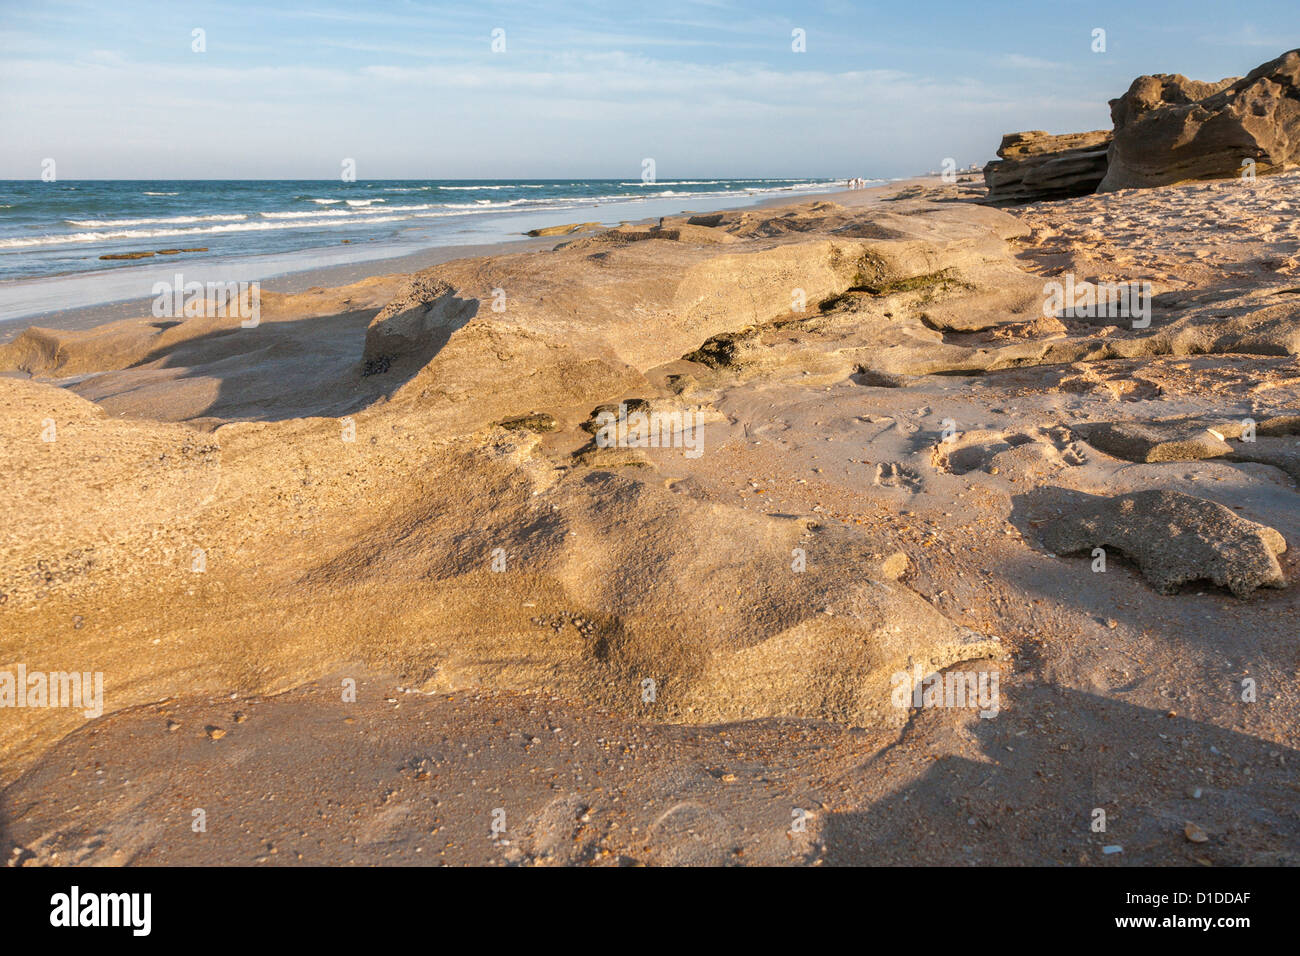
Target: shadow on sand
[(1055, 757), (277, 370)]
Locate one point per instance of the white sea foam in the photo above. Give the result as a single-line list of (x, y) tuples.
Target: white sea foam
[(170, 220), (680, 182), (483, 204), (229, 228), (359, 212)]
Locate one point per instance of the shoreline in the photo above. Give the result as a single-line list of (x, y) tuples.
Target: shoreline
[(393, 261)]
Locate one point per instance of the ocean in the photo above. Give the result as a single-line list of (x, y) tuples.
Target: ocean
[(53, 235), (58, 228)]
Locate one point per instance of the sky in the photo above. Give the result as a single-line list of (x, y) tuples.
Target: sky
[(115, 89)]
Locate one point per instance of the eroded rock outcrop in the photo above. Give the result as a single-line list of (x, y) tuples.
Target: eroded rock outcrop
[(1161, 90), (1037, 165), (1174, 538), (1169, 129), (583, 322)]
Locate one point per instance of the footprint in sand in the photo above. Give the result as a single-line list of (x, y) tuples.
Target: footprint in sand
[(891, 474), (689, 834)]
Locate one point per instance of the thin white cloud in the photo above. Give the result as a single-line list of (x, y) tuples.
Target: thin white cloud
[(1028, 62), (590, 113)]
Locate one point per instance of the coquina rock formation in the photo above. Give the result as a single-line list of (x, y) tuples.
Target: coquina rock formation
[(1169, 129), (1037, 165), (1160, 91)]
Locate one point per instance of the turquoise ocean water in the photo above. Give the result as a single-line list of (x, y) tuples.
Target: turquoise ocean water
[(49, 229)]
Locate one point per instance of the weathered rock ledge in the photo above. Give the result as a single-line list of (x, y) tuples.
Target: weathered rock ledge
[(1037, 165)]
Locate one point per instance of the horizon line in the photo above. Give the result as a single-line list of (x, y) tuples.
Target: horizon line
[(400, 179)]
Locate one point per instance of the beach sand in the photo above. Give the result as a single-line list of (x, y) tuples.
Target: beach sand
[(640, 655)]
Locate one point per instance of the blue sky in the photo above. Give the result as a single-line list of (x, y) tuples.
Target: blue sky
[(413, 89)]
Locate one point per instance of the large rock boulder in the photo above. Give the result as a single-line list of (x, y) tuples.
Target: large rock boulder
[(1170, 129), (1037, 165), (1161, 90), (1174, 538)]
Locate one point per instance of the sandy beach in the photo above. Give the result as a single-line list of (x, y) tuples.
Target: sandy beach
[(382, 523)]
